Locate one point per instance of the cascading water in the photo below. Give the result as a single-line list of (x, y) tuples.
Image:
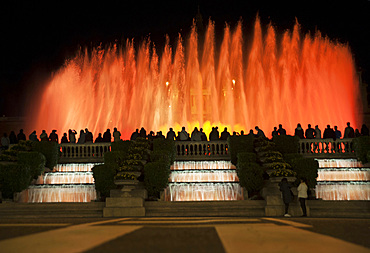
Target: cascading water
[(202, 181), (342, 179), (69, 183), (305, 79)]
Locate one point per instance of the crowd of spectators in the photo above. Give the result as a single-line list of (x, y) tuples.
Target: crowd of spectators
[(86, 136)]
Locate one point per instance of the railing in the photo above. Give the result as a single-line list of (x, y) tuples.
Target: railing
[(83, 152), (191, 150), (326, 147)]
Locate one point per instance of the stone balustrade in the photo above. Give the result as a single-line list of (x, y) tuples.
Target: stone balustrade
[(193, 150), (88, 152), (326, 147)]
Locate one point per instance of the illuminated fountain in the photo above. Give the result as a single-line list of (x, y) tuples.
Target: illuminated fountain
[(342, 179), (68, 183), (202, 181), (296, 78)]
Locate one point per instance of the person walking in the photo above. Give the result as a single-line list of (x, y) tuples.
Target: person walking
[(302, 196), (287, 195)]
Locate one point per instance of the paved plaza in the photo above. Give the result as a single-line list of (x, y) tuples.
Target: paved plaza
[(183, 234)]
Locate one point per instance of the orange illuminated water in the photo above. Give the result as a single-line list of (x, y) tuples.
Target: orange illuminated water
[(268, 81)]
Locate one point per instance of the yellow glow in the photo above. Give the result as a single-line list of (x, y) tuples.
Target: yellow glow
[(167, 83)]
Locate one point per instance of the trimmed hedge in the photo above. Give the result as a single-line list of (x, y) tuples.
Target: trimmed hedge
[(245, 157), (306, 168), (237, 144), (104, 179), (50, 150), (164, 146), (121, 146), (115, 157), (35, 160), (250, 176), (361, 146), (13, 178), (156, 177), (286, 144)]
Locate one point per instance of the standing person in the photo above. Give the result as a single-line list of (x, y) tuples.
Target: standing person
[(64, 138), (82, 138), (349, 132), (299, 131), (5, 142), (275, 132), (310, 132), (338, 134), (116, 135), (142, 133), (21, 136), (225, 134), (171, 135), (13, 138), (287, 195), (203, 135), (72, 136), (44, 136), (33, 136), (53, 136), (107, 137), (260, 133), (281, 130), (183, 135), (364, 130), (302, 196), (88, 136)]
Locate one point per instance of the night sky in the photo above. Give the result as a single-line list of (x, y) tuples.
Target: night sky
[(37, 38)]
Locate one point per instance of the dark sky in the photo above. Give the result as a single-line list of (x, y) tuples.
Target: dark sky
[(36, 38)]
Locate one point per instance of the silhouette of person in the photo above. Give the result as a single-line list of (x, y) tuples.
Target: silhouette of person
[(142, 133), (349, 132), (184, 136), (13, 138), (160, 135), (53, 136), (21, 136), (299, 131), (275, 132), (5, 142), (99, 138), (72, 136), (116, 135), (329, 133), (364, 130), (44, 136), (151, 136), (310, 132), (88, 136), (134, 135), (317, 132), (357, 133), (213, 135), (251, 133), (107, 137), (260, 133), (33, 136), (171, 135), (338, 134), (225, 134), (203, 136), (281, 130), (196, 135), (286, 194), (64, 138), (82, 138)]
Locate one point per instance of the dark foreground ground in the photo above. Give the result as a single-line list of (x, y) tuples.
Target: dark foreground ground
[(182, 234)]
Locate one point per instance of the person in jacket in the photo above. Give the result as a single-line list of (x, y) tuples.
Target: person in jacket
[(302, 196), (286, 194)]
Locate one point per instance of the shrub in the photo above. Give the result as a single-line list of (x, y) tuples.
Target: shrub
[(35, 160), (156, 177), (237, 144), (361, 146), (290, 157), (121, 146), (306, 168), (250, 176), (286, 144), (114, 158), (50, 150), (104, 179), (167, 147), (13, 178), (245, 157)]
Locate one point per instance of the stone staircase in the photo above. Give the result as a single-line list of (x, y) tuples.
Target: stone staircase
[(205, 208), (51, 210)]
